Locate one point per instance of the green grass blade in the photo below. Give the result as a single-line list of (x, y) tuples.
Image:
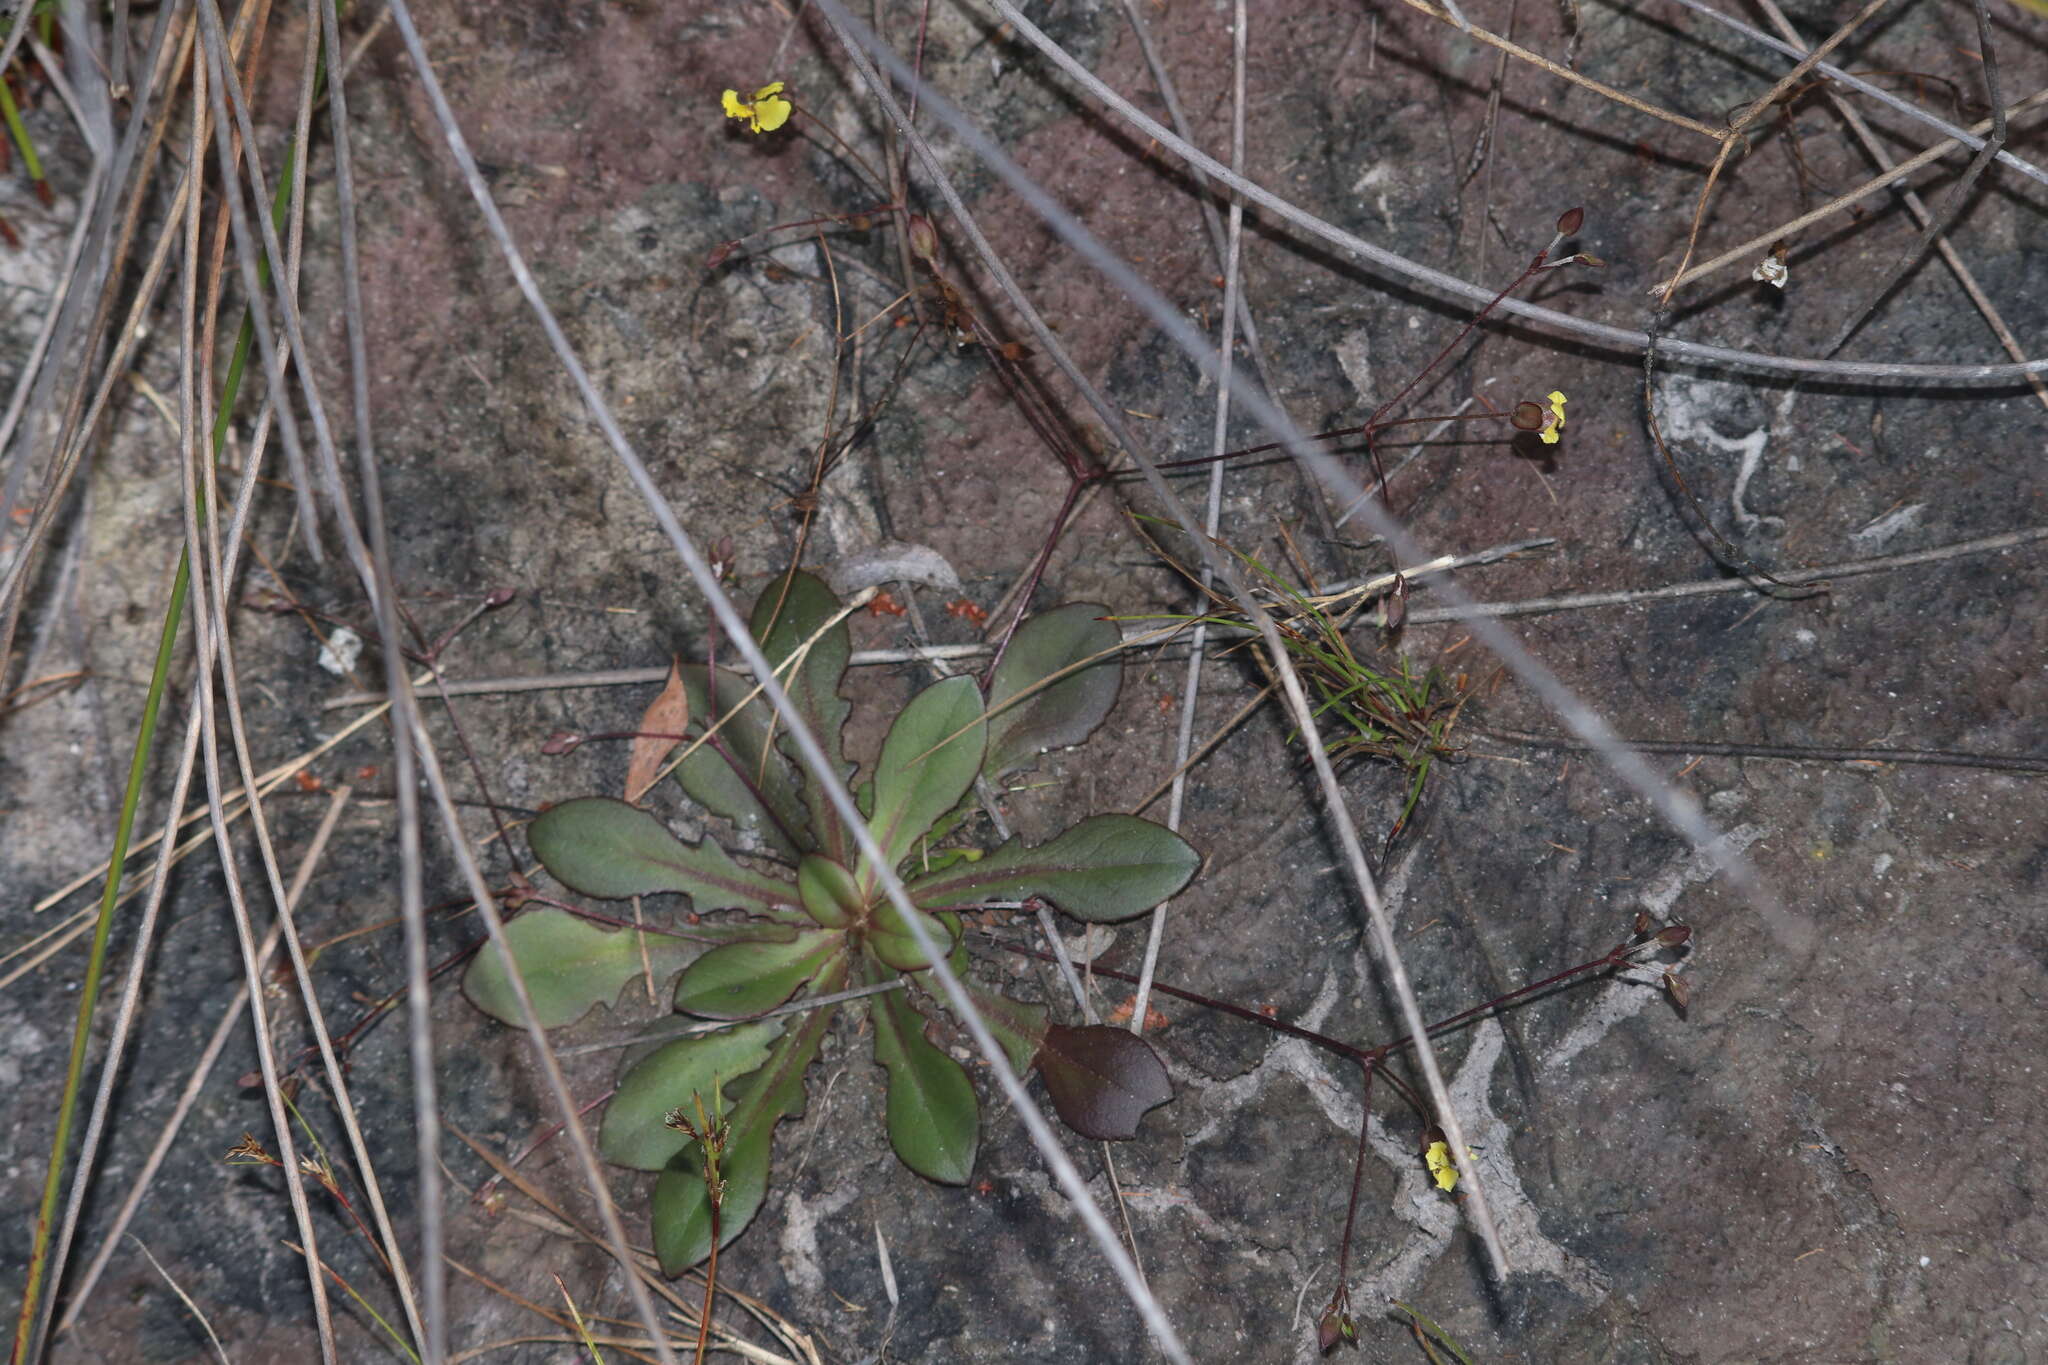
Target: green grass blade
[(1443, 1338), (19, 131), (124, 828)]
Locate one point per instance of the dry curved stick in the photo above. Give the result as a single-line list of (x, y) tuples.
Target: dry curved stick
[(1904, 168), (1949, 255), (1733, 136), (1423, 616), (1857, 83), (1633, 342), (1958, 193), (1709, 587), (1798, 753), (1565, 73)]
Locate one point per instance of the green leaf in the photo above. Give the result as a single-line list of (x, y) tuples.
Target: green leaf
[(830, 894), (1065, 712), (602, 847), (1019, 1027), (789, 611), (568, 964), (891, 939), (634, 1132), (752, 977), (742, 776), (682, 1213), (928, 762), (1102, 1079), (933, 1120), (1107, 867)]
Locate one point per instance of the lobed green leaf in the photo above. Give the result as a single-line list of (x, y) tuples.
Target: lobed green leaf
[(600, 846), (930, 759), (1019, 1027), (682, 1211), (791, 609), (752, 977), (934, 1123), (1061, 713), (742, 776), (568, 964), (1107, 867), (635, 1132)]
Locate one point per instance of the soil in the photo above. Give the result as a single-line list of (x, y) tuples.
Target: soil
[(1831, 1154)]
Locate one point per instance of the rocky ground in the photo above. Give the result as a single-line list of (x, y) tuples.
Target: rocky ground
[(1832, 1154)]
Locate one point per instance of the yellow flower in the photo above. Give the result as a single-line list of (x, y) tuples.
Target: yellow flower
[(766, 112), (1552, 425), (1441, 1167)]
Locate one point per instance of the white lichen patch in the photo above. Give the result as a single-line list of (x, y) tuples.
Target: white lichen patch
[(1695, 410), (1888, 525), (1435, 1216), (800, 1235), (1354, 357), (338, 656)]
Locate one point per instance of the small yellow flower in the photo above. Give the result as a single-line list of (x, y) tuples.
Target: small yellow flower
[(1441, 1167), (1552, 425), (766, 112)]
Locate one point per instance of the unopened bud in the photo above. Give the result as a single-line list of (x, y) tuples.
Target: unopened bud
[(1643, 921), (1672, 935), (1594, 261), (721, 558), (1527, 416), (1570, 221), (720, 254), (1333, 1327), (561, 742), (499, 598), (1681, 994), (924, 239)]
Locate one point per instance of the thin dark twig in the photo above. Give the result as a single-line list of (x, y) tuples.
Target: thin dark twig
[(1452, 286), (1958, 195), (1798, 753), (1854, 82), (1039, 564), (1357, 1176), (433, 1273)]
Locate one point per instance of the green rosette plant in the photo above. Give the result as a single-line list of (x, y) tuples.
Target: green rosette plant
[(803, 914)]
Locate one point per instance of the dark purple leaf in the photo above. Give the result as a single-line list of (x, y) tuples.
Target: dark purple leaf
[(1102, 1079), (1329, 1331)]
